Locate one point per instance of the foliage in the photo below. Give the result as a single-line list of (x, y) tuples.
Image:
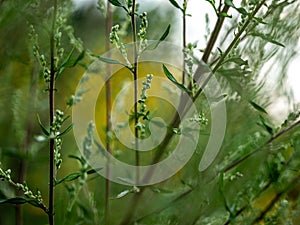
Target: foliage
[(255, 178)]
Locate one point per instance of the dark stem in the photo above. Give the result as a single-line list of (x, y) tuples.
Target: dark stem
[(184, 40), (51, 117), (135, 77), (108, 25)]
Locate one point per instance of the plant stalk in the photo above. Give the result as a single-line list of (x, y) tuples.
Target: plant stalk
[(51, 117), (108, 25), (135, 77)]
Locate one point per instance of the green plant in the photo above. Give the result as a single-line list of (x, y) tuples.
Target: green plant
[(255, 177)]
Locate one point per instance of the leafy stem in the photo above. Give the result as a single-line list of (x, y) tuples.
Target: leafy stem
[(135, 77), (51, 116)]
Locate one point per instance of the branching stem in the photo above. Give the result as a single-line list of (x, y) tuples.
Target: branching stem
[(51, 90)]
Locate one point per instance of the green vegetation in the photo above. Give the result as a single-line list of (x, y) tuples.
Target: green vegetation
[(48, 45)]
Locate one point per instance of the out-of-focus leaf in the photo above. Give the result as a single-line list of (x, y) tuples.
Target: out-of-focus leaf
[(44, 130), (154, 45), (16, 200), (265, 124), (258, 107), (267, 38)]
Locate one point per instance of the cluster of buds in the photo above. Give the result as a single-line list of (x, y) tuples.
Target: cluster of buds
[(142, 31), (115, 39), (143, 112)]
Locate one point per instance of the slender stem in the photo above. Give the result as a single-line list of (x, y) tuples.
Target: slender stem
[(135, 77), (211, 42), (23, 164), (184, 40), (214, 35), (108, 25), (51, 117)]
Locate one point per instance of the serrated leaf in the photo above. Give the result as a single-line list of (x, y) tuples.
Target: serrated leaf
[(174, 3), (44, 130), (172, 78), (154, 45), (70, 177), (258, 107)]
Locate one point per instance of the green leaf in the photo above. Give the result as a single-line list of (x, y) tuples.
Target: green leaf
[(111, 61), (66, 130), (76, 60), (229, 3), (116, 3), (267, 38), (77, 158), (237, 60), (265, 124), (174, 3), (91, 171), (154, 45), (45, 131), (240, 10), (16, 201), (165, 34), (258, 107), (172, 78), (70, 177), (224, 14)]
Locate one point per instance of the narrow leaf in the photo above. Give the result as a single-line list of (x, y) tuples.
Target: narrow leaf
[(172, 78), (258, 107), (77, 158), (154, 45), (174, 3), (116, 3), (16, 200), (91, 171), (66, 130), (45, 131), (111, 61), (70, 177), (165, 34), (123, 194), (267, 38)]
